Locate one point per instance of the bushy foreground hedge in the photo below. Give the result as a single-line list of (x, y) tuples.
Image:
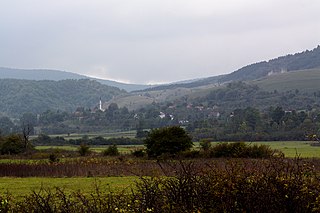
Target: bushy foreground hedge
[(274, 185)]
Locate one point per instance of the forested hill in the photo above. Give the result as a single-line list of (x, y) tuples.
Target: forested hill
[(21, 96), (38, 74), (300, 61)]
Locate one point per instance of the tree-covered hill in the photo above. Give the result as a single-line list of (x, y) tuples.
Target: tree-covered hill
[(21, 96)]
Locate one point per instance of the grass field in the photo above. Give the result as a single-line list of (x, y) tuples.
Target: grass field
[(19, 187), (289, 148)]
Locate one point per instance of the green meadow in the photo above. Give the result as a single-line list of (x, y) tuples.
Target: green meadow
[(19, 187)]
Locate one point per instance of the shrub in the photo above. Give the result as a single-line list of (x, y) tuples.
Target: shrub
[(205, 144), (191, 154), (271, 186), (84, 150), (111, 151), (53, 158), (139, 153), (241, 150)]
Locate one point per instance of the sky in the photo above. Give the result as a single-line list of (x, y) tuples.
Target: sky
[(153, 41)]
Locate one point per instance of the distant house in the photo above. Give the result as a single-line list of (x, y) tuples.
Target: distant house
[(162, 115)]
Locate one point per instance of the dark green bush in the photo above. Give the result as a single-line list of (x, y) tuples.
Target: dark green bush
[(53, 158), (190, 154), (14, 144), (84, 150), (111, 151), (241, 150)]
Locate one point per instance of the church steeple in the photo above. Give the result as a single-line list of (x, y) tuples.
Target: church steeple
[(100, 105)]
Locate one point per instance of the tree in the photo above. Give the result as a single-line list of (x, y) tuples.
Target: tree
[(84, 149), (12, 144), (26, 133), (277, 114), (167, 140)]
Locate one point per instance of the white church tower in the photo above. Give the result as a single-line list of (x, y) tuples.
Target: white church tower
[(100, 105)]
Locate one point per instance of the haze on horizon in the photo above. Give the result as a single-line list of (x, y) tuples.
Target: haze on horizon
[(152, 41)]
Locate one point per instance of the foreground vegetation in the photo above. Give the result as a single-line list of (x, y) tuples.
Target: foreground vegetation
[(166, 176), (274, 185)]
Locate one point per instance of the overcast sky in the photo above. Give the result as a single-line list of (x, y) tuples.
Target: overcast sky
[(148, 41)]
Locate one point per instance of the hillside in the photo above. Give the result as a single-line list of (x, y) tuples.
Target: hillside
[(296, 88), (20, 96), (302, 80), (300, 61), (56, 75)]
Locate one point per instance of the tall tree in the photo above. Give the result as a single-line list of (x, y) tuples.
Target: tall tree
[(167, 140)]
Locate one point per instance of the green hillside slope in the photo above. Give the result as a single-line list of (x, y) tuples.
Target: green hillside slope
[(303, 80)]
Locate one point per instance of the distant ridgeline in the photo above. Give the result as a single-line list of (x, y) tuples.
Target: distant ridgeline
[(306, 60), (57, 75)]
